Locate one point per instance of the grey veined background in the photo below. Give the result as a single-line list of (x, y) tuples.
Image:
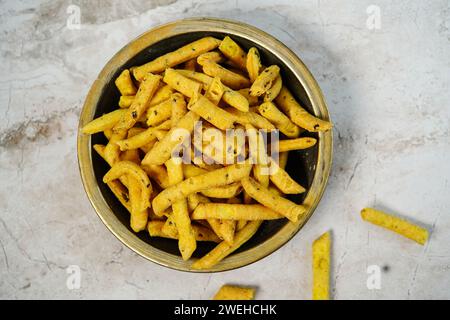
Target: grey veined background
[(386, 82)]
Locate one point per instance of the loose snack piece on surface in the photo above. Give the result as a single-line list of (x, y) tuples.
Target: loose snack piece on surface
[(224, 249), (281, 205), (216, 178), (253, 64), (162, 151), (228, 292), (234, 212), (104, 122), (171, 59), (264, 81), (234, 52), (140, 103), (398, 225), (125, 84), (286, 126), (186, 243), (298, 115), (321, 267)]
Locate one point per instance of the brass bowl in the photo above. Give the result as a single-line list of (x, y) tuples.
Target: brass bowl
[(310, 167)]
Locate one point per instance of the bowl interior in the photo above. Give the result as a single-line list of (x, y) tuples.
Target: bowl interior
[(301, 164)]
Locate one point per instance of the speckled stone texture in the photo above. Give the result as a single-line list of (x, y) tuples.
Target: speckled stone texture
[(388, 93)]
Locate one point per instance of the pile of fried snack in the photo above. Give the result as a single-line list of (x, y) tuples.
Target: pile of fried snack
[(211, 198)]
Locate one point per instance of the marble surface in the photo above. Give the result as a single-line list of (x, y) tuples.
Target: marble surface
[(387, 86)]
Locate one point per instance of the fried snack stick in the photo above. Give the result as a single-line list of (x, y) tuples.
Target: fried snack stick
[(213, 56), (252, 118), (163, 93), (215, 91), (298, 115), (186, 243), (125, 84), (286, 126), (228, 292), (283, 159), (112, 150), (182, 84), (158, 173), (264, 81), (171, 59), (253, 101), (212, 113), (281, 205), (229, 78), (296, 144), (139, 216), (162, 151), (179, 109), (321, 267), (100, 149), (234, 212), (190, 65), (231, 97), (253, 64), (121, 193), (159, 113), (234, 52), (105, 122), (201, 233), (224, 192), (131, 169), (216, 178), (222, 228), (143, 138), (129, 198), (125, 101), (398, 225), (223, 249), (140, 103), (274, 90), (283, 180)]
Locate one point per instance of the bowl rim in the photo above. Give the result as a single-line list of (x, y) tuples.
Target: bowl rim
[(184, 26)]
